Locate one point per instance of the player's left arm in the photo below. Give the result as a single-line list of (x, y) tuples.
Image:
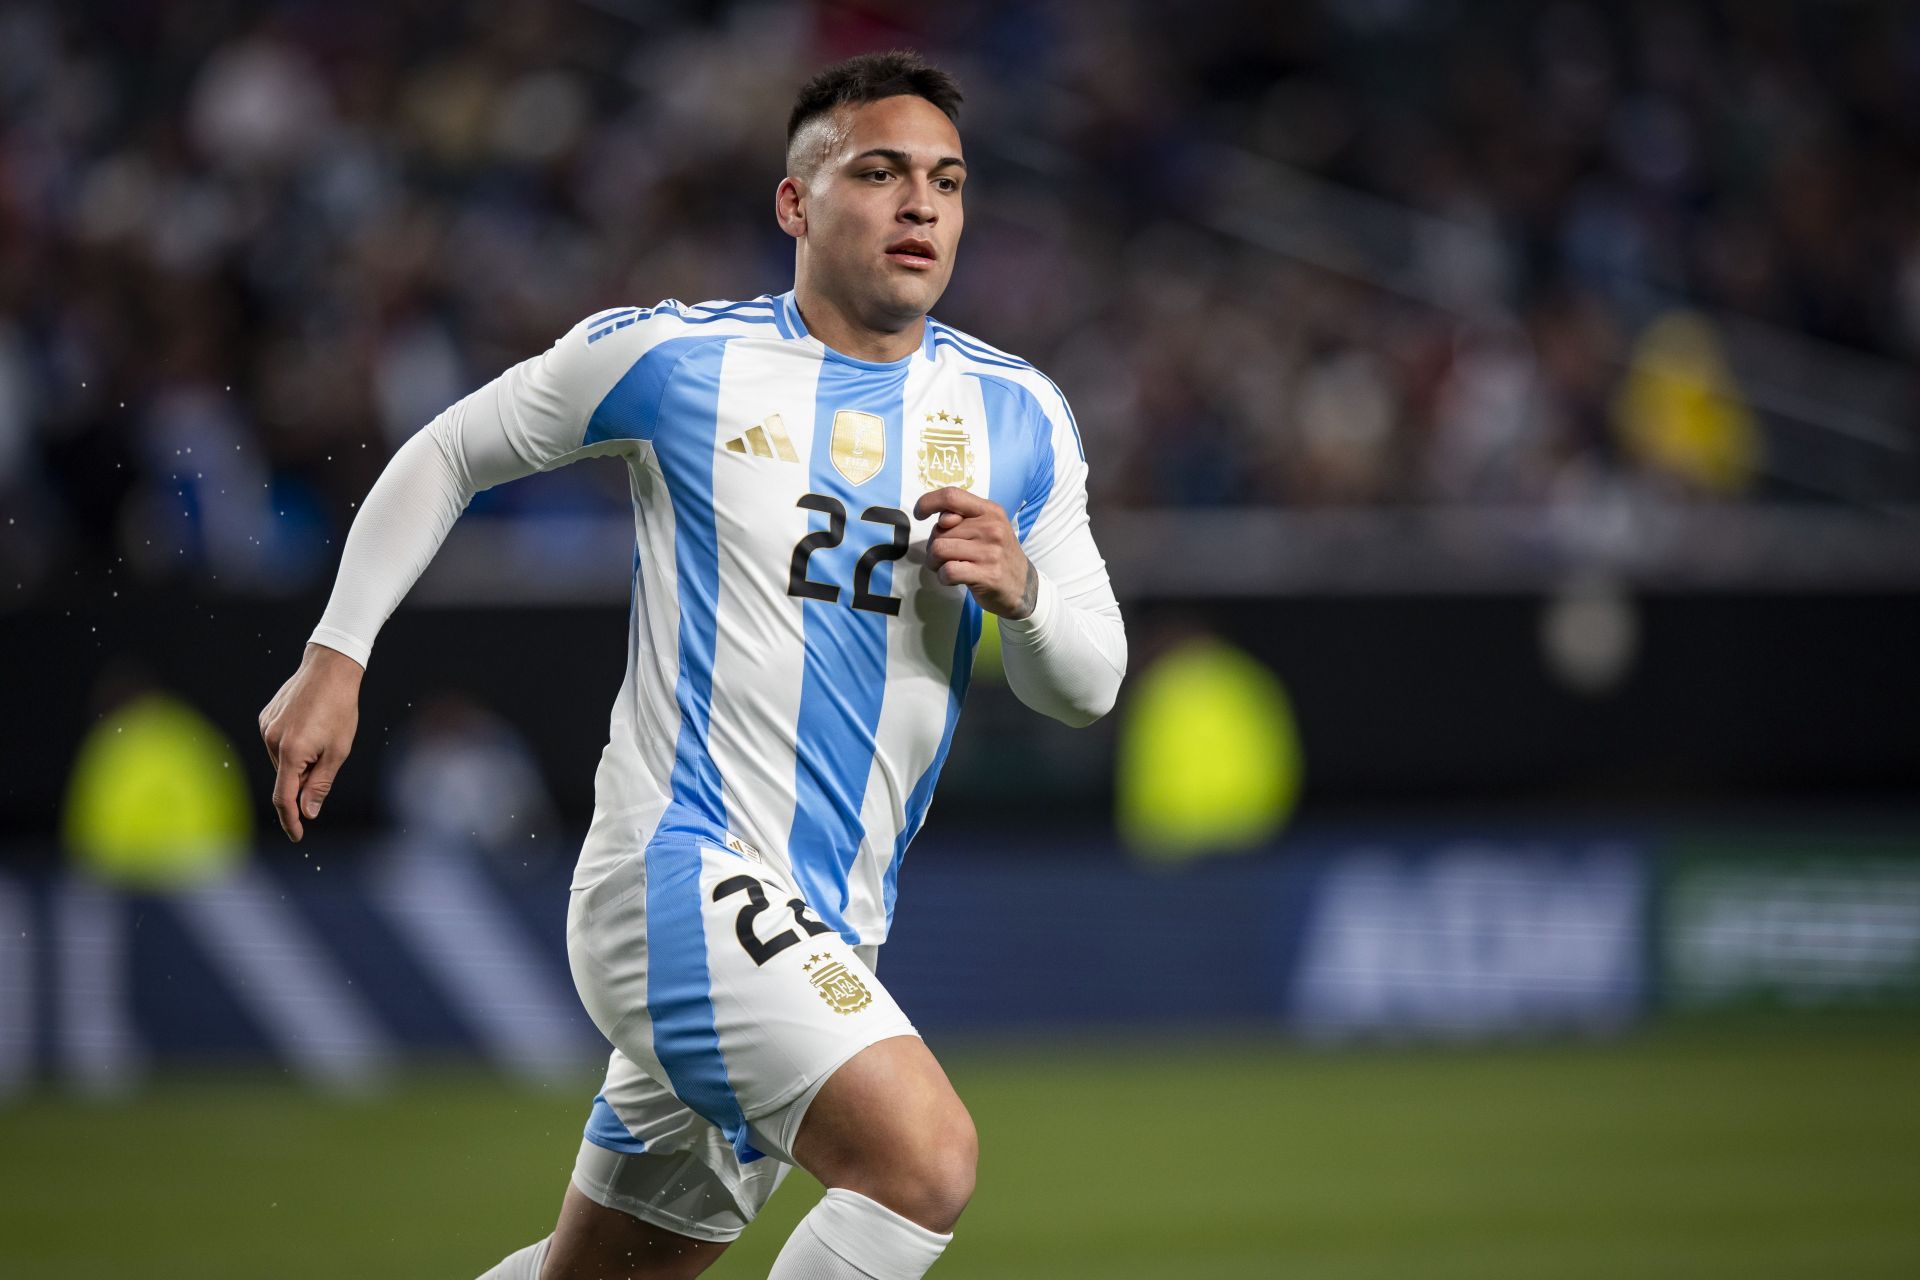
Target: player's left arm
[(1062, 641)]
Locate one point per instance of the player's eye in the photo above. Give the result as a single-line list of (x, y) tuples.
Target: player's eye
[(948, 185), (877, 173)]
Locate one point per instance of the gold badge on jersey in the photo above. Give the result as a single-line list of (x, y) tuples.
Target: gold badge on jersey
[(859, 444), (946, 452), (838, 985)]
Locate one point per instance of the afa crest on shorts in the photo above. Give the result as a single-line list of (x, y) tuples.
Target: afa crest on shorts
[(838, 985), (946, 452)]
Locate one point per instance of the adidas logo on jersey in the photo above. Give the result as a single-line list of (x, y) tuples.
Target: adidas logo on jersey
[(767, 440)]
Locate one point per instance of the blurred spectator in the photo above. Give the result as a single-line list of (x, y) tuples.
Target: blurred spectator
[(1679, 412), (157, 799), (463, 778), (1209, 755)]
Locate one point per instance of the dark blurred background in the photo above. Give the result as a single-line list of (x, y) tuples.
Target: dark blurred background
[(1504, 423)]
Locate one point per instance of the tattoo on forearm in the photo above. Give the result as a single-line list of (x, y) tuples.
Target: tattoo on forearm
[(1029, 594)]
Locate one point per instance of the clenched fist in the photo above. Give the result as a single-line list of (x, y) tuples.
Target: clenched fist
[(974, 545)]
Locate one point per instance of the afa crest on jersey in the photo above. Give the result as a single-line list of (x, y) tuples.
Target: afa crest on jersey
[(946, 452)]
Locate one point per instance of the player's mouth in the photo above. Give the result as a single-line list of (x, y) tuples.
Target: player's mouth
[(913, 252)]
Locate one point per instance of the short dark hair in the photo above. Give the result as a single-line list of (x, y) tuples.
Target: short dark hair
[(869, 77)]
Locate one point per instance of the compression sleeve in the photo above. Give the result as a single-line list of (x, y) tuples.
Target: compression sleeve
[(531, 418), (1066, 658)]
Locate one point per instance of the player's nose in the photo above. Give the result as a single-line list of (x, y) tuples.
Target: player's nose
[(919, 207)]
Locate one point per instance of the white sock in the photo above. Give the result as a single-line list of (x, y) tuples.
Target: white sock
[(849, 1237), (524, 1265)]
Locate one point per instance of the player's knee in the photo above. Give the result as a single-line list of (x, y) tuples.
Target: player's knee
[(934, 1180), (961, 1144)]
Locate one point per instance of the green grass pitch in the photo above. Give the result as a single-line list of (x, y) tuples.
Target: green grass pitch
[(1788, 1149)]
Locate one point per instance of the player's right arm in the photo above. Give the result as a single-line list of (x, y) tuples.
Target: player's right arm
[(531, 418)]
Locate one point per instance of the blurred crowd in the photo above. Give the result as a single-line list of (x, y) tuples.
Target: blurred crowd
[(245, 249)]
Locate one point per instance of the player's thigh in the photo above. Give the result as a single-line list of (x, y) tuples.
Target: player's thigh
[(594, 1242), (888, 1123)]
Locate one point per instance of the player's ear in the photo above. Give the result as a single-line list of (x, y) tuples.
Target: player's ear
[(790, 207)]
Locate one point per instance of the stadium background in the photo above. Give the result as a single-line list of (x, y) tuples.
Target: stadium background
[(1503, 422)]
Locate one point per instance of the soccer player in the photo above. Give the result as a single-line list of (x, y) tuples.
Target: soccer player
[(829, 487)]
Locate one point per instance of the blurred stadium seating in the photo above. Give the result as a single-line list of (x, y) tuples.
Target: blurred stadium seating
[(1307, 257)]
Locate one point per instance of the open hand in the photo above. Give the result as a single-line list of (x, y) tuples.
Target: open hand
[(308, 729)]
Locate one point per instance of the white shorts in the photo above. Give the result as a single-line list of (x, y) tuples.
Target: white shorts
[(728, 1004)]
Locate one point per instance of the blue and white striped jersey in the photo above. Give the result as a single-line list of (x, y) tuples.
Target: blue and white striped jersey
[(795, 671)]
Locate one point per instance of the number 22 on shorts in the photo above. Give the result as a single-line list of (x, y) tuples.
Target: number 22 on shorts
[(759, 950)]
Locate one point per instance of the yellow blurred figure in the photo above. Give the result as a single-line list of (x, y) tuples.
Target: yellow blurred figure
[(987, 664), (157, 799), (1679, 409), (1209, 755)]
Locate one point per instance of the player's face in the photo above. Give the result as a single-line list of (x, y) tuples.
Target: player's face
[(883, 212)]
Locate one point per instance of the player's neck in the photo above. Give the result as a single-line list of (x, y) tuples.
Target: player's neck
[(838, 329)]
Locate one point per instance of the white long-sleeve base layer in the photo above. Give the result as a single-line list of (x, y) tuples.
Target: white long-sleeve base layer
[(795, 671)]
